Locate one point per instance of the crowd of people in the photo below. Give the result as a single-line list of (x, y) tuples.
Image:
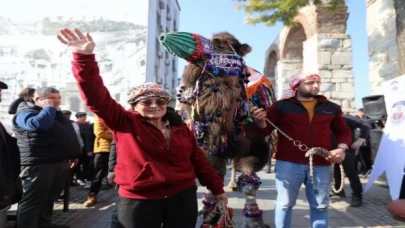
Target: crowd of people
[(151, 154)]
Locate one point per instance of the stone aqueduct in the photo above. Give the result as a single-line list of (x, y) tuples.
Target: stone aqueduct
[(318, 43)]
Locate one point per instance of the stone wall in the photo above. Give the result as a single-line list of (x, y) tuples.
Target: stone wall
[(334, 65), (382, 47), (285, 69)]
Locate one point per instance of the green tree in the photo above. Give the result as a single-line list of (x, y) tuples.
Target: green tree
[(270, 12), (273, 11)]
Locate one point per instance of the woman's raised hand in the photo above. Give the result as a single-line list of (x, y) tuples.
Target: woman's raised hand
[(76, 41)]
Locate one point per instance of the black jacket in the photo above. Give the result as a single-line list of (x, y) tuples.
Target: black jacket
[(355, 123), (9, 166), (90, 138), (56, 144)]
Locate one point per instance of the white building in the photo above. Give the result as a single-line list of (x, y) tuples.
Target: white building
[(128, 50), (164, 68)]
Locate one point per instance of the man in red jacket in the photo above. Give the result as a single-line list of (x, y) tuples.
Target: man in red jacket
[(305, 116)]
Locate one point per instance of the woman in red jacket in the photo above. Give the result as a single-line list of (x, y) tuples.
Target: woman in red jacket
[(157, 157)]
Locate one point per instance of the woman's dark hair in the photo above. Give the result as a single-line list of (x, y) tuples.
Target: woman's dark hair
[(27, 92), (172, 116)]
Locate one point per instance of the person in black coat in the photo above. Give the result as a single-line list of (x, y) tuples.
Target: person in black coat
[(25, 96), (89, 146), (10, 183), (349, 162)]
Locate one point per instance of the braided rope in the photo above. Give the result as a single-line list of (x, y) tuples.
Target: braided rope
[(221, 207), (324, 153)]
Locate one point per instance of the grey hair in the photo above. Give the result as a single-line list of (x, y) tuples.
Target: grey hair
[(42, 92)]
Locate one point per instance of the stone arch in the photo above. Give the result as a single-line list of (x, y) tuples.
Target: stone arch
[(272, 57), (303, 24), (316, 42), (293, 47), (291, 56), (271, 65)]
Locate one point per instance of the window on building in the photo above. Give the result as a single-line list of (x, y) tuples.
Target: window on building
[(157, 45), (158, 18), (142, 62), (175, 25), (156, 72), (108, 67)]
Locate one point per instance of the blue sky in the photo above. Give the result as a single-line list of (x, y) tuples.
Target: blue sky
[(210, 16)]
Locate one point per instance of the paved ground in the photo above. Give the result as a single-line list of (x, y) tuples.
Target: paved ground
[(372, 214)]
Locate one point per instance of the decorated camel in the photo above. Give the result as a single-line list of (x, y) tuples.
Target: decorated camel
[(215, 98)]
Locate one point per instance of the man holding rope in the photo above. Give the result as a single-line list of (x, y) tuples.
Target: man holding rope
[(304, 120)]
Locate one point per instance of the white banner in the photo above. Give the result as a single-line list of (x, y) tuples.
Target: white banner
[(391, 153)]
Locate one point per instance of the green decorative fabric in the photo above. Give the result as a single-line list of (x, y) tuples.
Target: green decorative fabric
[(182, 44)]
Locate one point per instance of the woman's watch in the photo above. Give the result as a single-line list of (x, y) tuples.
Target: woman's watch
[(344, 149)]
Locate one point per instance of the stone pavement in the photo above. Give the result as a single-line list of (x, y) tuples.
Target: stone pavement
[(372, 214)]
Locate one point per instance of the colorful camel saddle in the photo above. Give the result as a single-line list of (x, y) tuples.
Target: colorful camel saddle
[(260, 93)]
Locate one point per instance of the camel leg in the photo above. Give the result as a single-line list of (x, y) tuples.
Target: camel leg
[(232, 183), (253, 215)]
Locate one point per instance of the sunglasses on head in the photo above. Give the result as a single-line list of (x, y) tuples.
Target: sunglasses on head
[(159, 102)]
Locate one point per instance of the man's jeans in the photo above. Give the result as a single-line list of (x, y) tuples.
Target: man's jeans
[(289, 178), (42, 186)]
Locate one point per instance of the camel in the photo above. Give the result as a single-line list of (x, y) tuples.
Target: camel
[(214, 96)]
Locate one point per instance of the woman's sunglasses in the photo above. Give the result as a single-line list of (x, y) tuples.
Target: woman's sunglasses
[(148, 103)]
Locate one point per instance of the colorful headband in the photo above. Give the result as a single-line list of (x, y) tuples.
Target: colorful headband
[(198, 49), (148, 89)]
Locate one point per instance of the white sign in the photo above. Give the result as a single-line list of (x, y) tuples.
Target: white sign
[(391, 153)]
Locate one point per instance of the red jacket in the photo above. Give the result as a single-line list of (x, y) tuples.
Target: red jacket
[(146, 167), (293, 119)]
